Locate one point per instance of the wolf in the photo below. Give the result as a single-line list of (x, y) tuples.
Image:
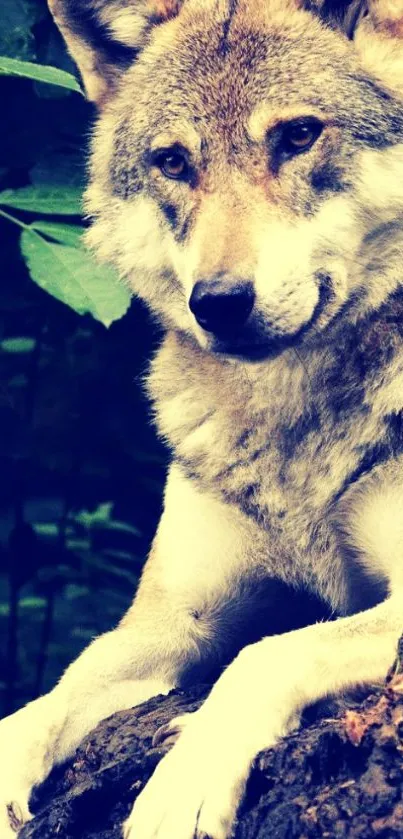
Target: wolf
[(246, 180)]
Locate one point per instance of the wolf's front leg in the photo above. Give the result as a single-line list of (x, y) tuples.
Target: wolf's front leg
[(197, 787), (173, 631)]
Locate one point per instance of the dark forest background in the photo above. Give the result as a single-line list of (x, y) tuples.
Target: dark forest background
[(81, 470)]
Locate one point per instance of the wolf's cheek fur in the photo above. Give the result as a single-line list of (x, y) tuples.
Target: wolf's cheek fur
[(335, 243), (291, 259), (131, 235)]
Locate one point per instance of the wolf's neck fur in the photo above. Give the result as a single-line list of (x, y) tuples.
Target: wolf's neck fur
[(189, 385), (285, 439)]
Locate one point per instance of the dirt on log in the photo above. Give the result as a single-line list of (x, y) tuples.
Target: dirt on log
[(341, 775)]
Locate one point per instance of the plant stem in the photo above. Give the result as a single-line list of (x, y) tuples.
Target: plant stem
[(15, 220)]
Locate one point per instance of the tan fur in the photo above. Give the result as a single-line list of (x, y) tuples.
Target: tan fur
[(287, 437), (167, 8)]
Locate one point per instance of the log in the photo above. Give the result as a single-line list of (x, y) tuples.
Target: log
[(340, 775)]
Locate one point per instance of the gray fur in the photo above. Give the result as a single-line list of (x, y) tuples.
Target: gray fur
[(287, 436)]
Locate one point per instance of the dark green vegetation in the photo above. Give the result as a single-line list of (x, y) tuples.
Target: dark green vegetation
[(81, 472)]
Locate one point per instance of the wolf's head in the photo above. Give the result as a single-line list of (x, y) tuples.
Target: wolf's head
[(247, 160)]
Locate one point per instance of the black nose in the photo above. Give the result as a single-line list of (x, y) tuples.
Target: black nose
[(222, 305)]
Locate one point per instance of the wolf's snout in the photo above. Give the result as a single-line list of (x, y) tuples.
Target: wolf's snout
[(222, 306)]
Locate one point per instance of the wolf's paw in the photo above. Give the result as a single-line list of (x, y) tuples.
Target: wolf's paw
[(196, 788), (23, 741)]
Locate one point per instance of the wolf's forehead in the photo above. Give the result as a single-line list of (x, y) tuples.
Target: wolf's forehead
[(247, 42), (219, 76), (237, 82)]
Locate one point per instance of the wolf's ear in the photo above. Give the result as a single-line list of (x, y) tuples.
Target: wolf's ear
[(104, 36), (344, 15), (384, 17), (376, 26)]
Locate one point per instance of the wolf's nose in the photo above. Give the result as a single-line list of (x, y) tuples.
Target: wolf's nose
[(222, 306)]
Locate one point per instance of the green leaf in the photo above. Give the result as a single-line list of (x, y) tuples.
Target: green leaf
[(71, 275), (17, 345), (100, 515), (46, 529), (38, 72), (101, 518), (32, 603), (66, 234), (61, 201)]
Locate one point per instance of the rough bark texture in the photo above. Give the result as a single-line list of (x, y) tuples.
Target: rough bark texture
[(340, 775)]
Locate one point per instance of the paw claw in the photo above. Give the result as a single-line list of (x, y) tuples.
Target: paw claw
[(168, 734), (163, 733)]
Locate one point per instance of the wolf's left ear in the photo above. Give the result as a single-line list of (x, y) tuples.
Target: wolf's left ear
[(104, 36), (385, 17), (376, 27), (344, 15)]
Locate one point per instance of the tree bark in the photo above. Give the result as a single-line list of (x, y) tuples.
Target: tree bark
[(340, 775)]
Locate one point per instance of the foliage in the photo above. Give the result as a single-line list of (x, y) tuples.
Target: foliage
[(82, 472), (38, 73), (53, 251)]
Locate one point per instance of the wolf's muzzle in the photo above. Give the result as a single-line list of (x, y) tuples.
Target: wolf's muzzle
[(222, 305)]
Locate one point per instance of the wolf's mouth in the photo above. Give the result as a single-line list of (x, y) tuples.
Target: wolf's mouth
[(249, 352), (260, 345)]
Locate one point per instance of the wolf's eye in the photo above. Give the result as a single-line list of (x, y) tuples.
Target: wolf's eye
[(299, 135), (173, 164)]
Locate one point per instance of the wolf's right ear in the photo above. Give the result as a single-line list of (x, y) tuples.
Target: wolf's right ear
[(104, 36)]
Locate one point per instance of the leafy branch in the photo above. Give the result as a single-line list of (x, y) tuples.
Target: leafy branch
[(53, 251), (57, 259)]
